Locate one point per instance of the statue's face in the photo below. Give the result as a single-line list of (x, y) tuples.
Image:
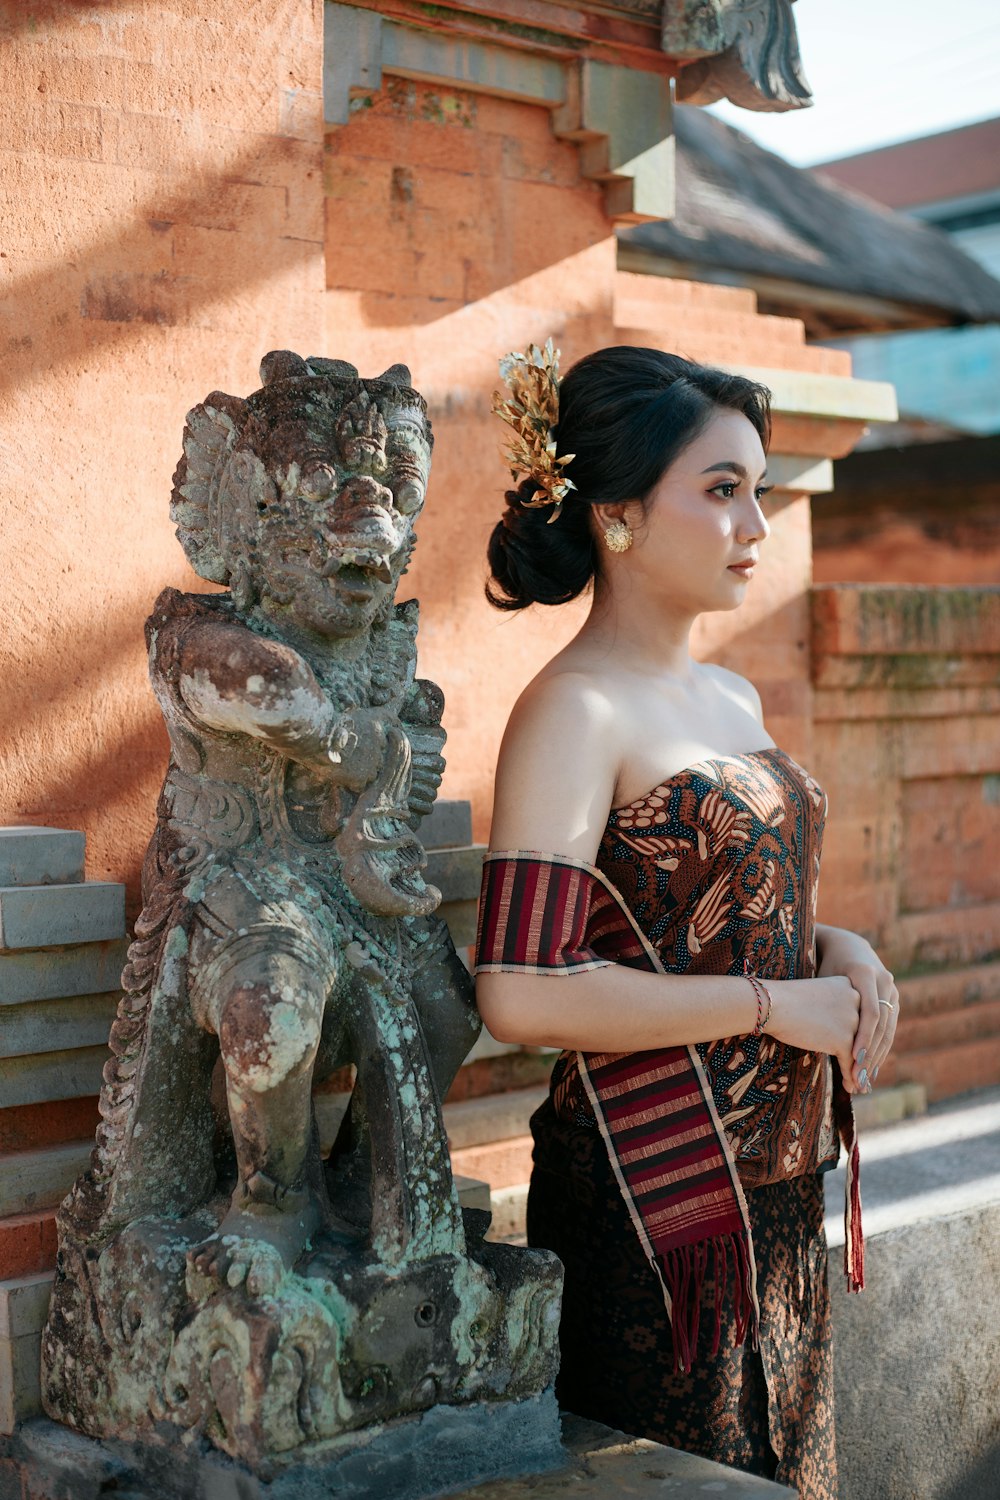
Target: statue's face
[(335, 524)]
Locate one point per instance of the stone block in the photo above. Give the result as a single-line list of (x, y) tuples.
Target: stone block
[(32, 1180), (52, 1075), (457, 873), (24, 1304), (50, 974), (41, 856), (472, 1193), (503, 1163), (57, 1025), (20, 1394), (508, 1206), (461, 919), (447, 825), (494, 1117), (44, 916)]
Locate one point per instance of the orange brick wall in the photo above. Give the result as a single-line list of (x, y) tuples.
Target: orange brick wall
[(162, 228), (494, 239)]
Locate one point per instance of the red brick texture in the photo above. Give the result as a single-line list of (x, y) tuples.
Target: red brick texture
[(908, 747)]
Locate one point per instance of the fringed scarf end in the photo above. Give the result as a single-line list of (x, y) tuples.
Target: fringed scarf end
[(684, 1272), (854, 1244)]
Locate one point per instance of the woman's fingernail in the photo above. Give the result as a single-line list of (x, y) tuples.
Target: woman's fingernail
[(861, 1054), (875, 1072), (863, 1078)]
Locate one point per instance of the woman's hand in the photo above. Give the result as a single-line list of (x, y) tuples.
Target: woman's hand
[(818, 1015), (852, 956)]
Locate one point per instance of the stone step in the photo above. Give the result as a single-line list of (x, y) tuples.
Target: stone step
[(56, 973), (57, 1025), (24, 1304), (41, 856), (20, 1380), (461, 918), (32, 1180), (960, 936), (46, 916), (947, 1071), (673, 293), (947, 1028), (948, 990), (457, 873), (448, 825), (491, 1118), (70, 1074), (502, 1163)]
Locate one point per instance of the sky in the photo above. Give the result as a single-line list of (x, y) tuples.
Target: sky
[(883, 71)]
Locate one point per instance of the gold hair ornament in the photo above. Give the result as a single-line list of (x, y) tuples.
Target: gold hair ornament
[(532, 411)]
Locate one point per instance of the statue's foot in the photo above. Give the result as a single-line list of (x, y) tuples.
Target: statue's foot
[(255, 1245)]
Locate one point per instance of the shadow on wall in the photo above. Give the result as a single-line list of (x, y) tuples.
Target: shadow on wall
[(182, 255)]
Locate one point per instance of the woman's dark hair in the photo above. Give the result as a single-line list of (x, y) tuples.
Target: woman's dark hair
[(625, 413)]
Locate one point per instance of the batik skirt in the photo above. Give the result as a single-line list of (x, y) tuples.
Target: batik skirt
[(768, 1411)]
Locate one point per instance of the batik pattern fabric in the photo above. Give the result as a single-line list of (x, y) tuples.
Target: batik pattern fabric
[(767, 1410)]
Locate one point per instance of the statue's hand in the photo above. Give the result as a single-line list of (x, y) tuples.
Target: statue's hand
[(427, 768), (355, 747)]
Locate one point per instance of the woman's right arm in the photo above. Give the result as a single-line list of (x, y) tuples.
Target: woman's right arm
[(555, 783)]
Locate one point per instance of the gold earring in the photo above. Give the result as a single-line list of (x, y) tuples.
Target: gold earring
[(618, 537)]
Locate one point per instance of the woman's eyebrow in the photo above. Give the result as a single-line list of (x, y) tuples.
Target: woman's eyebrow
[(730, 465)]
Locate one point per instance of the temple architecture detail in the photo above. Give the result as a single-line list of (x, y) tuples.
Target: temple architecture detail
[(216, 1278), (604, 71)]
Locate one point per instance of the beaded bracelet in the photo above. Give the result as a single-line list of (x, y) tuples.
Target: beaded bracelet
[(761, 992)]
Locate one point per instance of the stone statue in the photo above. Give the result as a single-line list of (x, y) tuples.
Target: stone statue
[(216, 1277)]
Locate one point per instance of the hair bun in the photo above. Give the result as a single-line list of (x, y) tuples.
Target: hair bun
[(533, 562)]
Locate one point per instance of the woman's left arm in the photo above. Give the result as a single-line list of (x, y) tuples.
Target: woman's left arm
[(839, 951)]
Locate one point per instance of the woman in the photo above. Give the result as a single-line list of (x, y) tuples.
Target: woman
[(652, 843)]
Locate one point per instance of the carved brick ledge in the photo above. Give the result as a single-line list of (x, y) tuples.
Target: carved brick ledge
[(619, 117)]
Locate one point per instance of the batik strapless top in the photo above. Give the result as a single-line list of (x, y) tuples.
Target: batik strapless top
[(719, 865)]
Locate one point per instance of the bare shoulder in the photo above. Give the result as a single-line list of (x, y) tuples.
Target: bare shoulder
[(557, 766), (738, 688)]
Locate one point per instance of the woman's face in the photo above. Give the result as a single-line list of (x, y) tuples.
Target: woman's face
[(703, 526)]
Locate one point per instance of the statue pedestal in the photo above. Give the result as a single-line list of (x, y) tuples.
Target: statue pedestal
[(430, 1453), (500, 1450)]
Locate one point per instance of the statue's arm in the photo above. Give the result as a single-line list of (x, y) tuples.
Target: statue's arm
[(233, 680)]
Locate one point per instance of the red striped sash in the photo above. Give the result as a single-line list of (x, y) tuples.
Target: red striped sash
[(549, 914)]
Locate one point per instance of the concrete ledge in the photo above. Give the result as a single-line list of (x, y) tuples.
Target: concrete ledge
[(41, 856), (917, 1353), (45, 916), (83, 969), (807, 394)]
